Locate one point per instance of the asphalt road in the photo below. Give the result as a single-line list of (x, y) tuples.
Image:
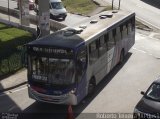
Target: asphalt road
[(119, 92), (147, 10)]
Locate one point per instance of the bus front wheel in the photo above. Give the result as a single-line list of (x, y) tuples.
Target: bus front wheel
[(91, 86)]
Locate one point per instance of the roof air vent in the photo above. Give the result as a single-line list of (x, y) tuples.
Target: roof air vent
[(72, 31), (109, 14), (83, 26), (103, 16), (93, 21), (106, 15), (115, 11)]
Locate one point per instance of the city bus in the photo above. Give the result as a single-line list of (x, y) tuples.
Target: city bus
[(64, 67)]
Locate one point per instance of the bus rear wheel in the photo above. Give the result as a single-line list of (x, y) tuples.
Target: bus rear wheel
[(91, 86)]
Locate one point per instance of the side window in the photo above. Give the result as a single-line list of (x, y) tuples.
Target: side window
[(110, 41), (129, 28), (118, 34), (124, 31), (102, 46), (93, 52), (133, 23)]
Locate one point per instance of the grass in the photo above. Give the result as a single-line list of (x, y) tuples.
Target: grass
[(80, 6), (11, 48), (10, 33)]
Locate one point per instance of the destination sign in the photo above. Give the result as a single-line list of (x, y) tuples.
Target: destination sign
[(39, 78), (56, 51)]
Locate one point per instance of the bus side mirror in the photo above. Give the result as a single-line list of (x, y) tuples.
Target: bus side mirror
[(142, 92)]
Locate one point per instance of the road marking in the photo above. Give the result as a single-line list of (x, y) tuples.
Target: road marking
[(139, 50), (17, 90), (138, 5), (12, 91), (146, 53)]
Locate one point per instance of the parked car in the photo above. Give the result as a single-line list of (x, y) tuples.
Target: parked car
[(149, 105), (31, 4), (57, 10)]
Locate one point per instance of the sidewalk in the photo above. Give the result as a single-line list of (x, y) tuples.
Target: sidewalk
[(14, 19), (14, 80)]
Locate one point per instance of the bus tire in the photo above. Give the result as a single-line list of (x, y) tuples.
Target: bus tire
[(121, 57), (91, 86)]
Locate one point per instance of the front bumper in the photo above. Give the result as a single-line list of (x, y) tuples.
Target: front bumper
[(62, 99), (60, 15)]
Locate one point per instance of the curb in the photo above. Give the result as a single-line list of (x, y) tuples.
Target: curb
[(151, 26), (97, 3), (79, 14), (12, 87)]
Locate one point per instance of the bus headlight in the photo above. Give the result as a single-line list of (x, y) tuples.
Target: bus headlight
[(73, 91)]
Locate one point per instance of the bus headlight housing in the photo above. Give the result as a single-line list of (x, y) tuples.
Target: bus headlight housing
[(73, 91)]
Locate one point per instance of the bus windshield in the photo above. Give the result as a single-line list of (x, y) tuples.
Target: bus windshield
[(57, 5), (52, 70)]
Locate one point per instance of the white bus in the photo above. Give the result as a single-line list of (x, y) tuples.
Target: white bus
[(65, 66)]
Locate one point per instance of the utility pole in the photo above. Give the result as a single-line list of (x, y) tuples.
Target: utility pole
[(24, 12), (118, 5), (8, 12), (44, 17), (112, 4)]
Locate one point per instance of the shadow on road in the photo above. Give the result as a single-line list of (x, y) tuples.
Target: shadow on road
[(7, 105), (155, 3), (52, 111)]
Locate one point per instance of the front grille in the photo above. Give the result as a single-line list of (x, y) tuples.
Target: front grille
[(54, 99)]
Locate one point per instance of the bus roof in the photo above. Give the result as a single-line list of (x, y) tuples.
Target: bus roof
[(84, 31)]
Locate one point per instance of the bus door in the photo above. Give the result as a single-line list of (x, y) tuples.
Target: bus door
[(119, 44), (81, 75)]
